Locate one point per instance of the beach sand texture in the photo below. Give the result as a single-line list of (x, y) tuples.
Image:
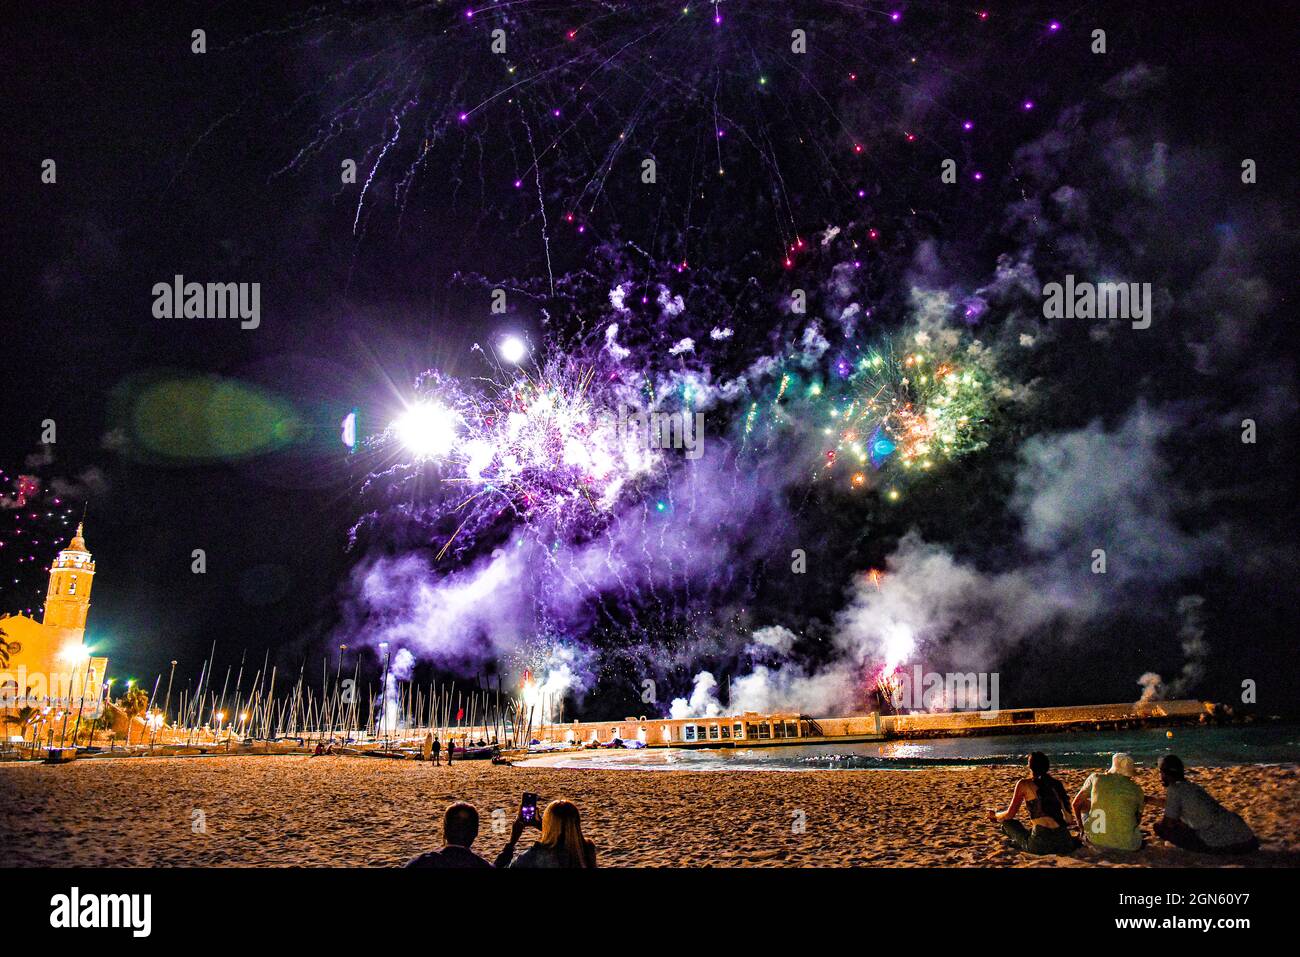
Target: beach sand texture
[(279, 811)]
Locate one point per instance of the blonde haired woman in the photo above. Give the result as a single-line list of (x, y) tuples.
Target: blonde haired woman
[(561, 843)]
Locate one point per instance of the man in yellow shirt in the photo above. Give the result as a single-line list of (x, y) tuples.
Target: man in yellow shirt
[(1108, 808)]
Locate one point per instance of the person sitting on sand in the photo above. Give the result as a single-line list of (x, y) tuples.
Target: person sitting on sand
[(561, 843), (1046, 801), (459, 829), (1108, 808), (1194, 820)]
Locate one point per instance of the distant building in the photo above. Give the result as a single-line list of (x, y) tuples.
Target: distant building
[(46, 663)]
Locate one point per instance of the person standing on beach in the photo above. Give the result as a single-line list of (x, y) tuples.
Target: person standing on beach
[(1194, 820), (451, 749), (1108, 808), (1045, 799), (437, 750)]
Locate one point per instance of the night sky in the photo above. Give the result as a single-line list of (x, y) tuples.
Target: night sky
[(190, 433)]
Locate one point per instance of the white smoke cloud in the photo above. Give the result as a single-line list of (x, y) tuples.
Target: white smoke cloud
[(672, 304), (813, 344), (399, 669), (563, 673), (787, 688), (776, 638), (1152, 687), (947, 611), (1191, 635), (793, 689), (90, 483), (456, 620), (703, 702), (611, 343), (1097, 489)]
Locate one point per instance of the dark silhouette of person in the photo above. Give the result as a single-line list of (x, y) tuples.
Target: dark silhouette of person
[(459, 829), (1194, 820)]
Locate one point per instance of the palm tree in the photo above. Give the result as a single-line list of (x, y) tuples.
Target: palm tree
[(29, 717), (102, 722), (24, 717), (133, 703), (4, 649)]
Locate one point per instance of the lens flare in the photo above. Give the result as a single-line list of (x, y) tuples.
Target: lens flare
[(513, 350), (426, 429)]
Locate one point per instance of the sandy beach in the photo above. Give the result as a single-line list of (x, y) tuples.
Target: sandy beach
[(291, 810)]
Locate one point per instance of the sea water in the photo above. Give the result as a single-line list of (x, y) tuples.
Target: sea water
[(1197, 746)]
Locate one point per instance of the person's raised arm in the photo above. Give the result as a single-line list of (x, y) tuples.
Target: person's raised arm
[(508, 852)]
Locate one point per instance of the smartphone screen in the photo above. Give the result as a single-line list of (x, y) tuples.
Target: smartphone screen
[(528, 807)]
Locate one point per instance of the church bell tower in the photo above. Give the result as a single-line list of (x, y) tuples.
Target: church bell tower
[(71, 575)]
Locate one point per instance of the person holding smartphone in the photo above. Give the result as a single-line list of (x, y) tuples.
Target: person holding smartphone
[(561, 844), (528, 816)]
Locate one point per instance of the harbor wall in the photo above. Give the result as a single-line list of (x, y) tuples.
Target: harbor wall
[(1040, 719), (787, 727)]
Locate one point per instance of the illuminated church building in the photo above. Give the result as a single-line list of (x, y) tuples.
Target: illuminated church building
[(47, 661)]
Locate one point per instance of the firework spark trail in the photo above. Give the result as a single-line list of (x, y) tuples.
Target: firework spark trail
[(645, 78), (361, 200), (198, 142), (541, 204)]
